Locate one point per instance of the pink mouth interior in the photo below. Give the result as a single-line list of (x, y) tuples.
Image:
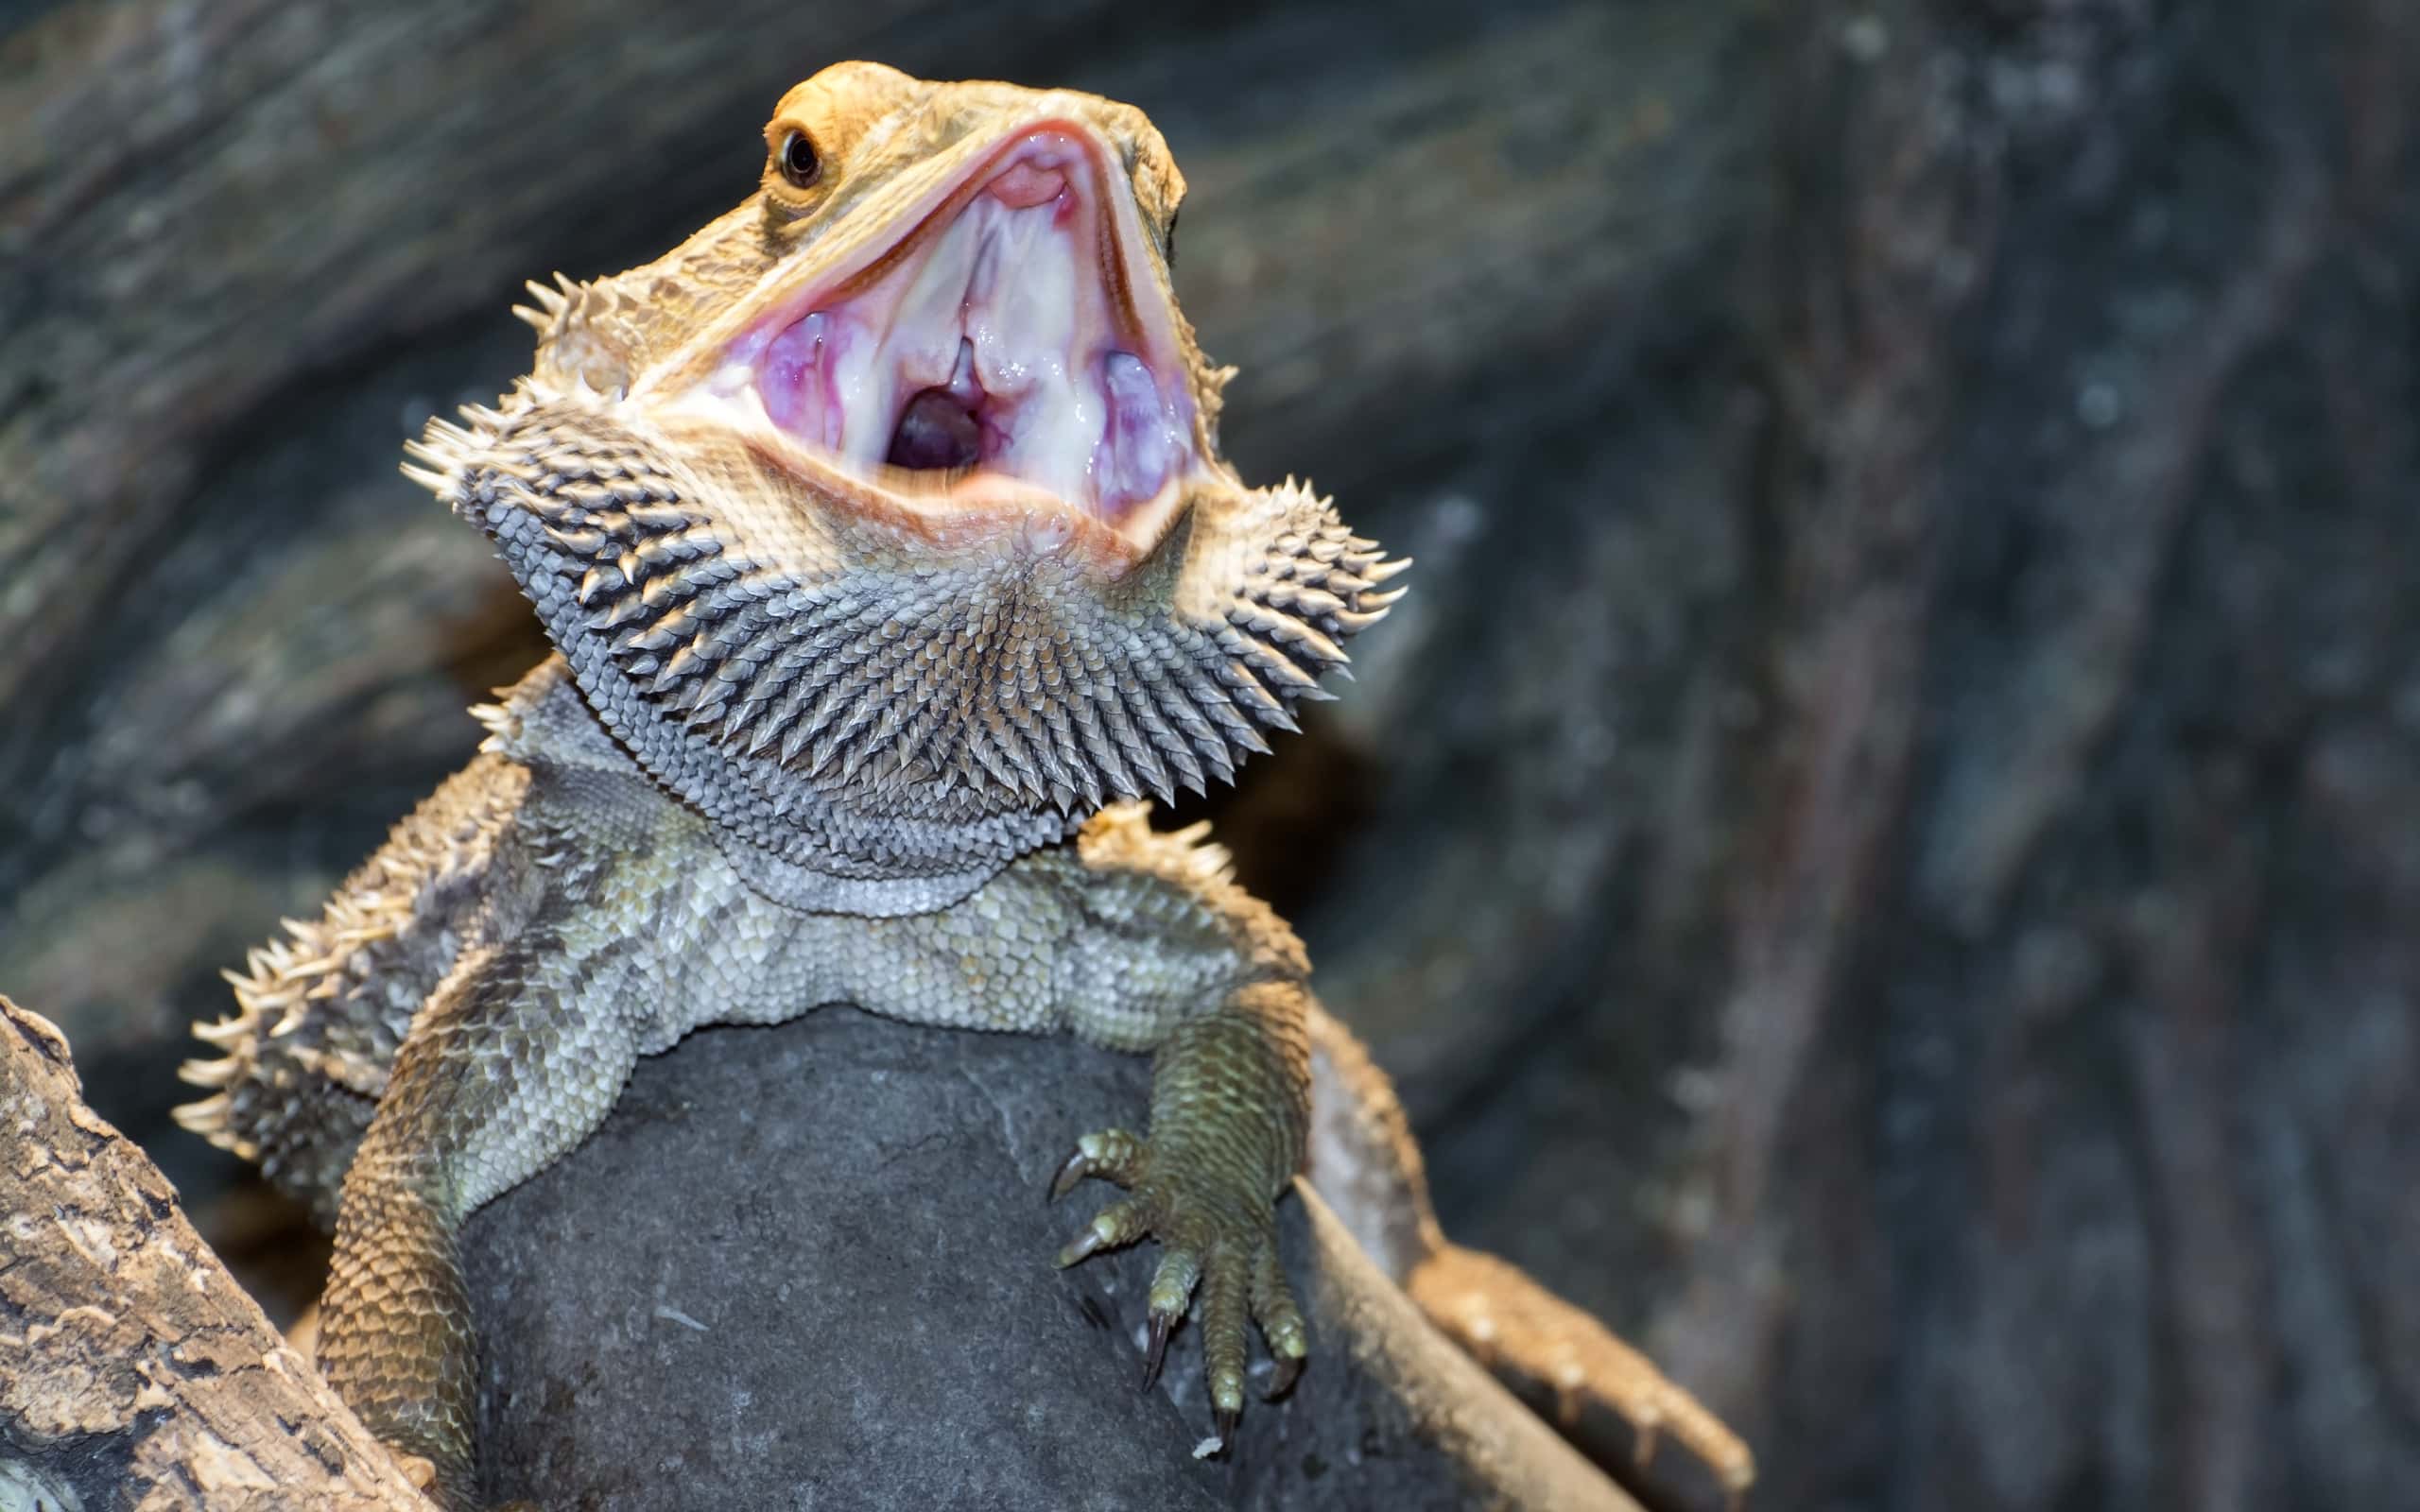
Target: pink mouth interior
[(990, 349)]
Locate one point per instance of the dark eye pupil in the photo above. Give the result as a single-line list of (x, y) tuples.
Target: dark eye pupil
[(798, 159)]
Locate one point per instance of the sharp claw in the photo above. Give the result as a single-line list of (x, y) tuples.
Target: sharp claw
[(1081, 1247), (1226, 1418), (417, 1469), (1288, 1370), (1162, 1323), (1071, 1170)]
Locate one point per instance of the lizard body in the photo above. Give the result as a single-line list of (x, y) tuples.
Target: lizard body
[(888, 556)]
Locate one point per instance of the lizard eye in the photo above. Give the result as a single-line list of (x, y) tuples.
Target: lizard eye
[(799, 163)]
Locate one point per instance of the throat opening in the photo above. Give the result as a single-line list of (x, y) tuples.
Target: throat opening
[(936, 434), (941, 429)]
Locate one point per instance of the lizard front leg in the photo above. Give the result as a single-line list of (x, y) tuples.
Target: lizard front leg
[(1138, 942), (591, 911), (1239, 1041), (1179, 960), (1229, 1103), (502, 1074)]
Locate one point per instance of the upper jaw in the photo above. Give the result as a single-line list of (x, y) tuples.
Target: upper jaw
[(1003, 354)]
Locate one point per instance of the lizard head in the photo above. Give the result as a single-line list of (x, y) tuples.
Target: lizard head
[(891, 500)]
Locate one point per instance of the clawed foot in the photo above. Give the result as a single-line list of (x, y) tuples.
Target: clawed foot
[(1218, 1234)]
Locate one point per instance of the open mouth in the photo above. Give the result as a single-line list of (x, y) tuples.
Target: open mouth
[(1006, 345)]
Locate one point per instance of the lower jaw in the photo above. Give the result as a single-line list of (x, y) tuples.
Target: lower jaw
[(985, 489), (986, 510)]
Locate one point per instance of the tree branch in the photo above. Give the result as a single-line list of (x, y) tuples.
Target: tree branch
[(134, 1371)]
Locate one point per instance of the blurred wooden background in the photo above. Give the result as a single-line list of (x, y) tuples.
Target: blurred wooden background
[(1883, 846)]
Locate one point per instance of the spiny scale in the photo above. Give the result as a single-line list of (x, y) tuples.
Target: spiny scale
[(321, 1013), (812, 698), (554, 302)]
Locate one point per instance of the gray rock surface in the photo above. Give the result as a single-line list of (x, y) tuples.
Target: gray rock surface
[(810, 1267)]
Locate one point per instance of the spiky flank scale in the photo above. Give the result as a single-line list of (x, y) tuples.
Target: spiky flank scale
[(321, 1011)]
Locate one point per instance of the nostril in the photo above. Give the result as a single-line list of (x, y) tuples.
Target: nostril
[(936, 431)]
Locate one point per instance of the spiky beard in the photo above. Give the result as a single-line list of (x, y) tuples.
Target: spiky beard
[(875, 725)]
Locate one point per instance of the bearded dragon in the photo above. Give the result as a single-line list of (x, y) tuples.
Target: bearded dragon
[(889, 559)]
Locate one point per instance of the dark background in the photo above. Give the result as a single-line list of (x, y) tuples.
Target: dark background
[(1883, 845)]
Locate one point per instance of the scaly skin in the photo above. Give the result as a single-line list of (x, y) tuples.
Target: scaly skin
[(820, 730), (621, 928)]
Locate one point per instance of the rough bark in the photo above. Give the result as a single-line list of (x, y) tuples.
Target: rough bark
[(135, 1372), (1879, 846)]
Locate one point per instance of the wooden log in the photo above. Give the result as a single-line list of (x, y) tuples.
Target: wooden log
[(135, 1372)]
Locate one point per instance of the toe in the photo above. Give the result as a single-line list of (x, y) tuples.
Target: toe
[(1171, 1292), (1225, 1419), (1281, 1320), (1173, 1284), (1112, 1154), (1225, 1305), (1120, 1223)]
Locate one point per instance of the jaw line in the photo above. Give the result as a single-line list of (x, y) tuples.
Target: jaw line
[(985, 511)]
